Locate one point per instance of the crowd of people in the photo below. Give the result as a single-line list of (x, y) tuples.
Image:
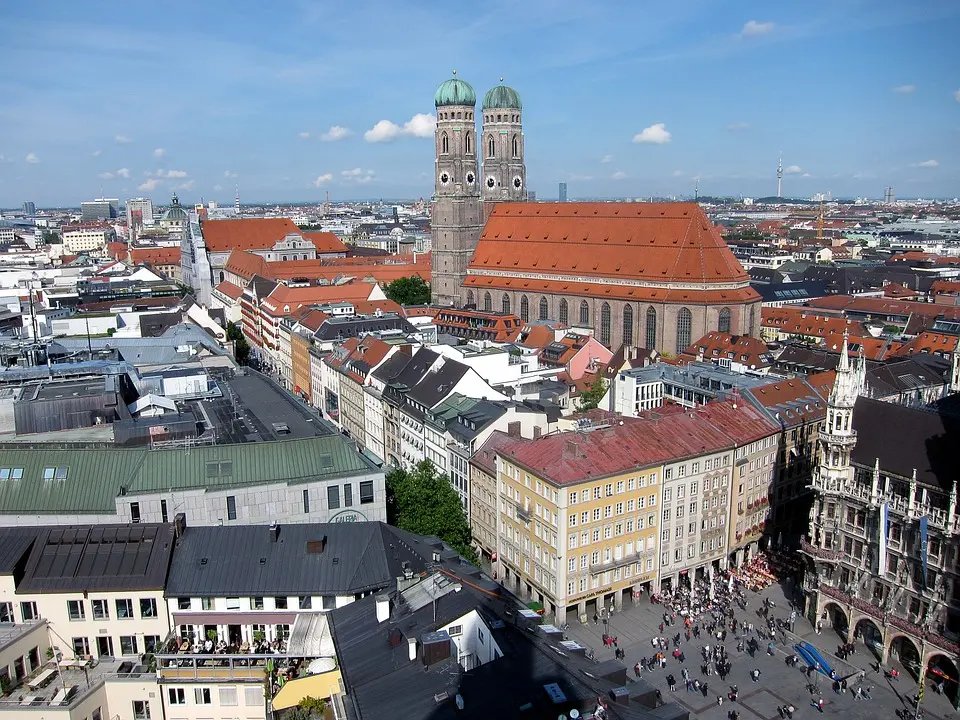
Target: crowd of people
[(715, 613)]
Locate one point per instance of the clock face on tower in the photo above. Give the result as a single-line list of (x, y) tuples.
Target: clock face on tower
[(491, 182), (470, 178), (517, 182), (444, 178)]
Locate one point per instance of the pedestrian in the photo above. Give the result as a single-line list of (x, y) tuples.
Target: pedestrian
[(719, 700), (636, 669), (672, 682), (596, 618)]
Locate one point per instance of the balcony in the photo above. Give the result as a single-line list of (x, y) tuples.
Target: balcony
[(845, 440), (819, 553)]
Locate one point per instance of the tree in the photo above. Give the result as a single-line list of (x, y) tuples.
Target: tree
[(411, 290), (591, 397), (424, 502), (51, 238), (241, 348)]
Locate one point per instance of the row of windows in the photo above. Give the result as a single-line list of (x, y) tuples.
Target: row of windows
[(609, 489), (128, 645), (610, 510), (227, 696), (304, 602), (684, 319), (76, 609), (608, 531), (468, 146)]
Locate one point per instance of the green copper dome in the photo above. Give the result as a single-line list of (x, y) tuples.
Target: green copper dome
[(454, 92), (502, 96)]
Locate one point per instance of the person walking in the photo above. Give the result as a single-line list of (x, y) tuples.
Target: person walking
[(636, 669)]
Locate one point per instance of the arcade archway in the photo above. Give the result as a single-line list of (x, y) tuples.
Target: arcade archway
[(907, 652), (871, 635)]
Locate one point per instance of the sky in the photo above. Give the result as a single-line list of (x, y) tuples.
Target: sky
[(290, 100)]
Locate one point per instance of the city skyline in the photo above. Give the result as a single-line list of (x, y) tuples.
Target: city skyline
[(857, 96)]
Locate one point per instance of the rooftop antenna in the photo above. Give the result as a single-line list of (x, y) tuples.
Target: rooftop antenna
[(780, 176)]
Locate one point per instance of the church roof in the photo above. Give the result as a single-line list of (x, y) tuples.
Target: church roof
[(455, 91), (246, 233), (502, 96), (668, 252)]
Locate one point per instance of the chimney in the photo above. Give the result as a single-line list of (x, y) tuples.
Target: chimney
[(179, 525), (274, 532), (412, 648), (383, 608), (570, 448), (513, 429)]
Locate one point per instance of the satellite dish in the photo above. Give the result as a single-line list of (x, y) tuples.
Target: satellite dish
[(459, 701)]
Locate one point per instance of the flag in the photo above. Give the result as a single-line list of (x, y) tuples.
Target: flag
[(923, 550), (882, 552)]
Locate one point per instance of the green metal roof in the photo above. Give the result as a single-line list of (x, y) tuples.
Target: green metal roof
[(92, 479), (455, 92), (502, 96)]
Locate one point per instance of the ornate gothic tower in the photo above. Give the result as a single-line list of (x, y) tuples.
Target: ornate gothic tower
[(504, 174), (455, 219)]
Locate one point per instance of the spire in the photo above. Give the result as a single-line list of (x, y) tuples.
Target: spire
[(844, 365)]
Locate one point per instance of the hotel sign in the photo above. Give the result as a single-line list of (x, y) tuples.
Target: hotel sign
[(348, 516)]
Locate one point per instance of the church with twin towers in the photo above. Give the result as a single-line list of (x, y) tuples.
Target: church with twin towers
[(651, 275)]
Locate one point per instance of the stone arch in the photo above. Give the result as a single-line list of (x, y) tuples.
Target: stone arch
[(723, 320), (584, 318), (684, 329), (487, 302), (468, 142), (605, 324), (564, 312), (491, 147), (470, 297), (516, 147), (505, 304), (945, 668), (627, 338), (869, 631), (524, 309), (651, 329), (444, 144), (833, 615), (543, 311), (906, 650)]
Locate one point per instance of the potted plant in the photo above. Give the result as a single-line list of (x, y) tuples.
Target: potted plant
[(259, 636), (212, 635)]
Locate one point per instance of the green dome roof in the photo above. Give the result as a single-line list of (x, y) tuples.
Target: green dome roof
[(454, 92), (502, 96)]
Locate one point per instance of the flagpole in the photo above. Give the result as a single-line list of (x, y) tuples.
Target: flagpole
[(923, 674)]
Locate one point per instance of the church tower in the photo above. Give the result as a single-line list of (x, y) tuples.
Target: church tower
[(455, 219), (504, 174)]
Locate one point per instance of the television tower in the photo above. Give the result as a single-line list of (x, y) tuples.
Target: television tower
[(779, 176), (236, 202)]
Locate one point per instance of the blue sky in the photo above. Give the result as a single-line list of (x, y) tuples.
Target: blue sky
[(620, 99)]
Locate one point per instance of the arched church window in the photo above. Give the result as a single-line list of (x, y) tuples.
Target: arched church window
[(468, 142), (605, 323), (469, 297), (627, 325), (684, 326), (564, 310), (221, 276), (487, 302), (543, 308), (459, 116), (584, 314), (723, 322), (499, 117), (524, 309), (505, 303), (444, 144), (516, 147), (651, 338), (491, 148)]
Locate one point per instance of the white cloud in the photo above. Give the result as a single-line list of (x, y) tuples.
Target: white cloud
[(106, 176), (123, 172), (336, 132), (122, 140), (96, 153), (303, 135), (357, 175), (861, 175), (574, 177), (420, 125), (159, 153), (188, 185), (322, 179), (904, 89), (738, 126), (806, 175), (678, 173), (217, 187), (792, 170), (229, 174), (173, 173), (752, 28), (928, 164), (149, 185), (5, 159), (619, 175), (606, 159), (32, 158), (656, 134)]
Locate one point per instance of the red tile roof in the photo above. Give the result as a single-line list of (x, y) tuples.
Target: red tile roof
[(938, 287), (797, 401), (284, 300), (246, 234), (873, 348), (641, 242), (247, 264), (155, 256), (743, 349), (486, 457), (326, 242), (929, 342), (807, 322), (882, 306), (573, 457), (230, 290), (117, 250), (538, 336)]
